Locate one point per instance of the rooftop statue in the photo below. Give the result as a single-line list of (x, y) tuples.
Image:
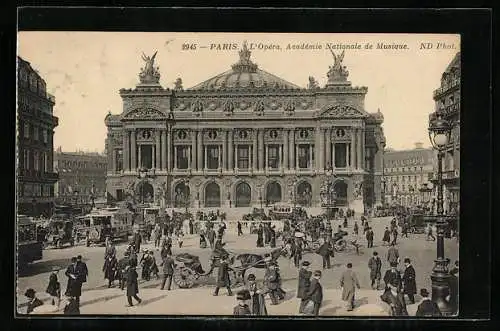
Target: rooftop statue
[(337, 72), (150, 73)]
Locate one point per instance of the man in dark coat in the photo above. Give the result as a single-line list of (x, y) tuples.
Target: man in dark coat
[(375, 266), (242, 308), (260, 231), (324, 251), (387, 236), (137, 239), (394, 236), (82, 266), (271, 281), (409, 283), (345, 222), (223, 279), (393, 254), (211, 237), (166, 247), (240, 233), (315, 292), (33, 300), (74, 287), (110, 248), (395, 299), (272, 237), (168, 271), (453, 282), (110, 268), (297, 252), (304, 284), (392, 276), (132, 286), (427, 307), (369, 237), (266, 234)]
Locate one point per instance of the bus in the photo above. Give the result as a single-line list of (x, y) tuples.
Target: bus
[(29, 248), (96, 226)]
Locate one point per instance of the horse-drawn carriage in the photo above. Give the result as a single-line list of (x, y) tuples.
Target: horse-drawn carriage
[(340, 244), (189, 270)]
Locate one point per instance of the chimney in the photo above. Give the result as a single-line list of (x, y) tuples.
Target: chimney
[(419, 145)]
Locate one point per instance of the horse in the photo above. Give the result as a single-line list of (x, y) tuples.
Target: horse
[(248, 260)]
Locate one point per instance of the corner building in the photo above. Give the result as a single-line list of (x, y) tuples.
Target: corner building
[(244, 138)]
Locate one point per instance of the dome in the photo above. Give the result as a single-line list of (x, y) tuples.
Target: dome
[(244, 74)]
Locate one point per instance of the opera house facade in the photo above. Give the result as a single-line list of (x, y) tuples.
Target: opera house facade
[(246, 138)]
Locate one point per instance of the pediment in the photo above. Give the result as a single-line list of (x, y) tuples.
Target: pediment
[(144, 114), (341, 111)]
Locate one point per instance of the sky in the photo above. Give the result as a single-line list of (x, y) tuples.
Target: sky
[(86, 70)]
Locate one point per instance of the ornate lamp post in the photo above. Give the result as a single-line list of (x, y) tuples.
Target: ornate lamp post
[(426, 191), (439, 134)]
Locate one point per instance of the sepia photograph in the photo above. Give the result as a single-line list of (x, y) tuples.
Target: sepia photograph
[(238, 174)]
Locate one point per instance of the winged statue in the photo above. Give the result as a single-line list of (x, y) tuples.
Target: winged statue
[(150, 61), (337, 59)]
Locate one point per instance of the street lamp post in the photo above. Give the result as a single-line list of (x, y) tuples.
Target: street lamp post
[(439, 133)]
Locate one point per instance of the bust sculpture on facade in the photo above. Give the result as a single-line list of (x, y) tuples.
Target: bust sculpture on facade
[(149, 74)]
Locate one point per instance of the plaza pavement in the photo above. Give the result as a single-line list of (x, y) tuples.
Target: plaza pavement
[(421, 251), (200, 301)]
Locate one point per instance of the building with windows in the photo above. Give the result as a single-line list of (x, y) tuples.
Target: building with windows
[(245, 137), (35, 132), (447, 103), (405, 172), (82, 176)]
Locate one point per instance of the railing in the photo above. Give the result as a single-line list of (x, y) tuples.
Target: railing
[(446, 88)]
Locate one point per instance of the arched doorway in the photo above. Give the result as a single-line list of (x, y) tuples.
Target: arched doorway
[(145, 192), (181, 195), (243, 195), (340, 193), (212, 195), (304, 194), (273, 193)]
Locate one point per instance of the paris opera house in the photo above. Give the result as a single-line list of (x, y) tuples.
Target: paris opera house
[(246, 138)]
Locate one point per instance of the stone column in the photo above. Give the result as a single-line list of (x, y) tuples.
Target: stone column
[(206, 158), (224, 150), (286, 146), (126, 150), (267, 157), (153, 158), (334, 146), (328, 148), (193, 149), (133, 151), (292, 164), (190, 157), (199, 151), (219, 156), (347, 156), (261, 149), (230, 150), (175, 157), (113, 158), (321, 150), (311, 151), (297, 157), (353, 148), (358, 149), (363, 151), (235, 148), (280, 150), (254, 152), (169, 150), (163, 148), (158, 150)]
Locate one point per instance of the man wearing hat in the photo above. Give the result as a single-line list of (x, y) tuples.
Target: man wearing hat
[(349, 282), (82, 267), (325, 250), (427, 307), (258, 305), (392, 276), (33, 300), (223, 279), (304, 284), (136, 240), (393, 254), (110, 248), (168, 264), (375, 266), (271, 281), (74, 286), (315, 292), (395, 299), (409, 284), (242, 308)]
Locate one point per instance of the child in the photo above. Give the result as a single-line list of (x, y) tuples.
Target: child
[(54, 287), (242, 308)]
